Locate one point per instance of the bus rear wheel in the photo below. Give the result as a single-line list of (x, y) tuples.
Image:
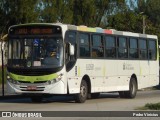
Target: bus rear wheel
[(132, 90), (82, 96)]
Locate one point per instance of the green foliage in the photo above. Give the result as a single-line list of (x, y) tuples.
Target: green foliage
[(56, 10), (128, 21), (123, 15), (150, 106), (17, 12), (153, 10), (153, 106)]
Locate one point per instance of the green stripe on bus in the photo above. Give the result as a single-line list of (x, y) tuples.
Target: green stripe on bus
[(32, 79)]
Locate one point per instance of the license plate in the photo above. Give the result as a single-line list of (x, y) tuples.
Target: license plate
[(31, 87)]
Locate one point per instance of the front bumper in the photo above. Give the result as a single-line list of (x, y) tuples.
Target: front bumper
[(56, 88)]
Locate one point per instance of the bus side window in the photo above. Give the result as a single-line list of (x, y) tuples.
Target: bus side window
[(142, 49), (97, 46), (84, 45), (122, 47), (152, 50), (110, 46), (71, 38), (133, 48)]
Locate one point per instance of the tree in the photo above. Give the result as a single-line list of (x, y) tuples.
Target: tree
[(130, 17), (56, 10), (93, 12), (17, 11), (127, 21), (151, 10)]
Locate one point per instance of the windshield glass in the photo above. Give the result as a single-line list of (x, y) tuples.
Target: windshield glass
[(37, 52)]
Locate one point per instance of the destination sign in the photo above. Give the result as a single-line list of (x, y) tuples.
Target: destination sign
[(28, 30)]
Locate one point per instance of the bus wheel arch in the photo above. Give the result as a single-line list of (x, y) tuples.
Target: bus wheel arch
[(85, 89), (87, 79), (133, 86), (135, 77)]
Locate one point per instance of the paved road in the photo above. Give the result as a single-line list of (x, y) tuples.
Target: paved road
[(106, 102)]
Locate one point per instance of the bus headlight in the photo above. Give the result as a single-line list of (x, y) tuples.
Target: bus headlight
[(11, 80), (55, 80)]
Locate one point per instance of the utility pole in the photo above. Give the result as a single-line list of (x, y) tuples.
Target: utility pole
[(144, 25), (144, 22)]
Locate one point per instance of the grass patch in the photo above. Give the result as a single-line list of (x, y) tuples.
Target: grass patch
[(1, 75), (150, 106)]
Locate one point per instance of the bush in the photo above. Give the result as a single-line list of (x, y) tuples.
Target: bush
[(153, 106)]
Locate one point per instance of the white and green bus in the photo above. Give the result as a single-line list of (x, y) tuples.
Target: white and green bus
[(47, 59)]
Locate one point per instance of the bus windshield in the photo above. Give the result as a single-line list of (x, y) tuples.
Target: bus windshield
[(36, 52)]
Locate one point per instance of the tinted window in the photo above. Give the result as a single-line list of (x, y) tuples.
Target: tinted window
[(143, 49), (142, 44), (152, 50), (122, 47), (84, 39), (97, 46), (133, 43), (122, 42), (110, 46), (71, 37), (133, 51), (84, 45)]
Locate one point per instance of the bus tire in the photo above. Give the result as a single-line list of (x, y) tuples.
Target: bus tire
[(36, 99), (95, 95), (82, 96), (132, 89)]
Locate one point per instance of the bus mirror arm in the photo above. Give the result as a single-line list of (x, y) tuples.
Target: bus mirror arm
[(71, 49)]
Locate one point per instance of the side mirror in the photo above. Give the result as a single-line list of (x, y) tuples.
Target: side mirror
[(71, 49)]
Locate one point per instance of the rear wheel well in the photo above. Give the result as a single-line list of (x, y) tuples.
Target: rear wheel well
[(85, 87), (87, 79), (134, 76), (133, 86)]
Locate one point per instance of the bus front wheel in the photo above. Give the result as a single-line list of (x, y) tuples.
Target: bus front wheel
[(82, 96)]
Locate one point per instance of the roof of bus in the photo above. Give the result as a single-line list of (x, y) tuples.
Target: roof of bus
[(95, 30)]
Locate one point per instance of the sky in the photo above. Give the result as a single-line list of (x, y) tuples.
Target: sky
[(129, 3)]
